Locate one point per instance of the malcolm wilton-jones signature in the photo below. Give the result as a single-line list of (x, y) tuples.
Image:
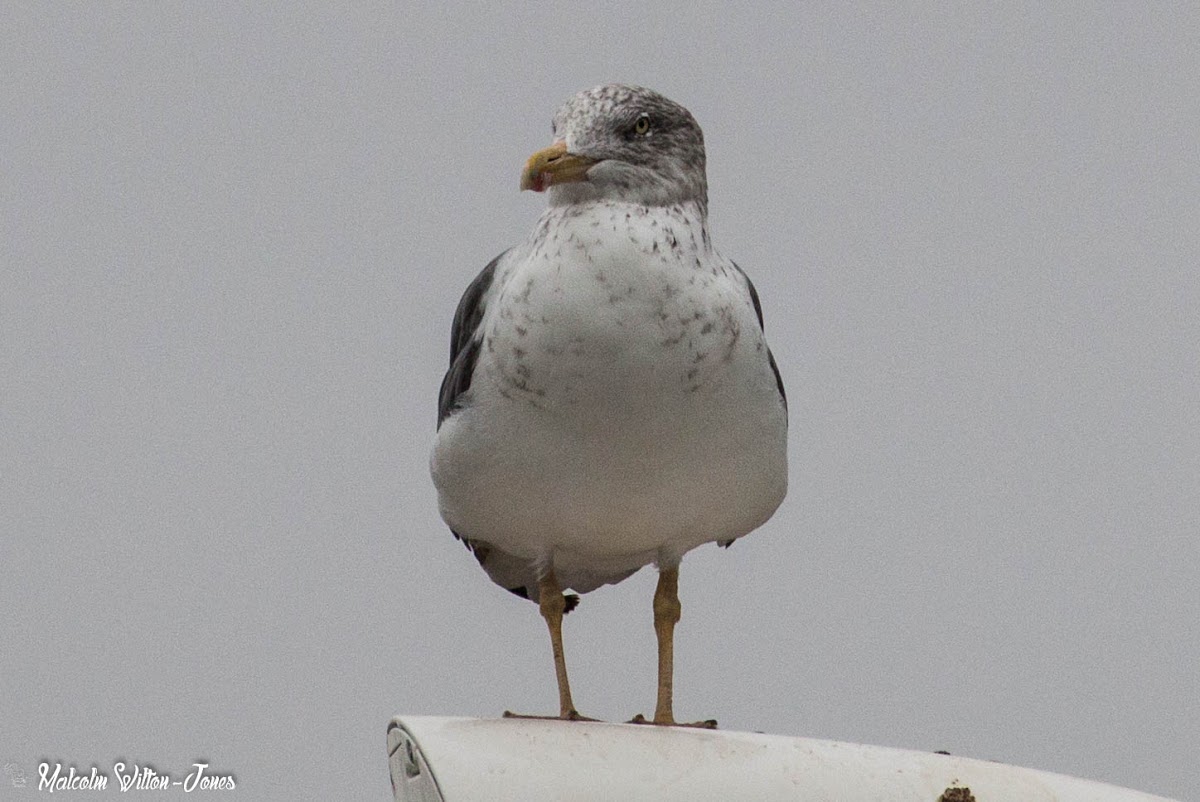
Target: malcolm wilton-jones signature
[(129, 777)]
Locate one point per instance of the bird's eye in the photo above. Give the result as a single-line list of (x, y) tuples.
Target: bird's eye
[(641, 126)]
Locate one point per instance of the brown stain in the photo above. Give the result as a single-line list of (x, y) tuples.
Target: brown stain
[(956, 795)]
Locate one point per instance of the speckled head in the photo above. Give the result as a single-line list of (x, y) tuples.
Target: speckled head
[(626, 143)]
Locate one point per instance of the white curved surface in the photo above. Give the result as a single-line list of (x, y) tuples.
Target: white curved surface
[(436, 759)]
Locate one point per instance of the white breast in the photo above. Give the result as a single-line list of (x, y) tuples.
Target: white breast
[(623, 406)]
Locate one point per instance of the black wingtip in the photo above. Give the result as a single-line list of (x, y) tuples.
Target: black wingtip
[(571, 599)]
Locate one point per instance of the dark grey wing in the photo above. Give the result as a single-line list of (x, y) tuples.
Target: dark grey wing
[(758, 311), (465, 339), (770, 357)]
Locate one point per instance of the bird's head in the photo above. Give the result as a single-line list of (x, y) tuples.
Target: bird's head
[(625, 143)]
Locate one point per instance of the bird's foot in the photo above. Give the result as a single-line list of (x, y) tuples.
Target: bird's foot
[(707, 724), (570, 715)]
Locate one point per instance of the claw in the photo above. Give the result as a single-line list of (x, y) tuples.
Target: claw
[(572, 715), (706, 724)]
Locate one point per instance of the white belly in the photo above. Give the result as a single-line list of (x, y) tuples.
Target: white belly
[(618, 414)]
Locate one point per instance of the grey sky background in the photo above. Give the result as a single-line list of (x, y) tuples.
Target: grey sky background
[(232, 239)]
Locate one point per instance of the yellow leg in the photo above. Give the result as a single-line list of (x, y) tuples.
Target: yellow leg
[(552, 604), (667, 611)]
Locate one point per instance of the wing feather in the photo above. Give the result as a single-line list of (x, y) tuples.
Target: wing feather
[(465, 339), (758, 311)]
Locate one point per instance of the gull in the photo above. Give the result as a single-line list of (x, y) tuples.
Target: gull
[(611, 401)]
